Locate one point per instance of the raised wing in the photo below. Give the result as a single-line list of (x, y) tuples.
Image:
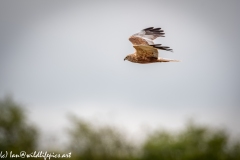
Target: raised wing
[(146, 36)]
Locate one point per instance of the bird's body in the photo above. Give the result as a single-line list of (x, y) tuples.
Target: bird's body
[(144, 60), (146, 50)]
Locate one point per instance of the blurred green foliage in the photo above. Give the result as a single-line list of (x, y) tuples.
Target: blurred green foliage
[(193, 143), (16, 134), (88, 141)]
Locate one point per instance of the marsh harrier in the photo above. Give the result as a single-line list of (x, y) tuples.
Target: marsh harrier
[(146, 50)]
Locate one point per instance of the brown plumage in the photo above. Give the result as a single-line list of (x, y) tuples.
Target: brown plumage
[(146, 50)]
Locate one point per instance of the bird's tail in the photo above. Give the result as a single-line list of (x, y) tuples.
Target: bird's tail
[(167, 60)]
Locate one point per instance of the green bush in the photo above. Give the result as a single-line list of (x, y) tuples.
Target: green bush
[(94, 143), (193, 143), (16, 134)]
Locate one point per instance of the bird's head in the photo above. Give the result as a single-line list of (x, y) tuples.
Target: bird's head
[(126, 58)]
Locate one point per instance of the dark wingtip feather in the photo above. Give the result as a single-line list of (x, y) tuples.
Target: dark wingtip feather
[(149, 28), (156, 29), (159, 46)]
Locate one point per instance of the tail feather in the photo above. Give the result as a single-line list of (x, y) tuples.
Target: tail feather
[(167, 60)]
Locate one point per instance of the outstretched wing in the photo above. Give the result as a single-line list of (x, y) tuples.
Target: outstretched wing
[(150, 50), (146, 36), (146, 51)]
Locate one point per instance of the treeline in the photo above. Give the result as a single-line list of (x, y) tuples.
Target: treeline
[(89, 142)]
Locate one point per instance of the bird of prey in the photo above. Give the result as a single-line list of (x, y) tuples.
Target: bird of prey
[(146, 50)]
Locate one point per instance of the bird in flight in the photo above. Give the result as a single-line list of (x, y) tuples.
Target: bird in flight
[(146, 50)]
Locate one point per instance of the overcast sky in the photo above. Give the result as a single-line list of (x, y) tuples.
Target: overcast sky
[(60, 57)]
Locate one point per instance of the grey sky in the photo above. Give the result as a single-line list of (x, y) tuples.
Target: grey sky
[(59, 57)]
